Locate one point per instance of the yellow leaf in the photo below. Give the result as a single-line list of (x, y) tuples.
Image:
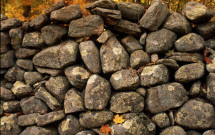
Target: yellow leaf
[(118, 119)]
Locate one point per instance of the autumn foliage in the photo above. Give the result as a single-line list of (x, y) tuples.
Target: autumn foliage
[(105, 129)]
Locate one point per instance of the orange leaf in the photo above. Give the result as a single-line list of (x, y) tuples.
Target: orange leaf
[(105, 129), (207, 60), (118, 119)]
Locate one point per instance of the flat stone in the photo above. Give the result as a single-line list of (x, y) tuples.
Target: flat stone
[(126, 79), (186, 57), (105, 36), (94, 119), (14, 74), (38, 22), (90, 55), (5, 41), (154, 75), (34, 130), (123, 102), (173, 130), (86, 132), (73, 102), (171, 63), (10, 23), (32, 77), (11, 106), (190, 72), (45, 96), (25, 53), (211, 87), (57, 56), (86, 27), (33, 39), (196, 114), (21, 90), (53, 33), (16, 36), (113, 56), (154, 16), (130, 11), (195, 88), (55, 6), (143, 38), (66, 14), (33, 105), (6, 94), (160, 41), (7, 59), (97, 93), (209, 132), (58, 86), (131, 44), (28, 120), (164, 97), (51, 117), (109, 4), (206, 30), (25, 64), (161, 120), (52, 72), (69, 126), (138, 59), (135, 124)]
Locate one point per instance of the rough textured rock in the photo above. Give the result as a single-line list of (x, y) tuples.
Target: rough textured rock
[(33, 39), (190, 72), (52, 72), (211, 87), (97, 93), (66, 14), (196, 114), (58, 86), (154, 16), (161, 120), (10, 23), (14, 74), (21, 90), (209, 132), (52, 33), (160, 41), (109, 4), (38, 22), (32, 77), (154, 75), (192, 132), (11, 106), (123, 102), (25, 64), (174, 130), (6, 84), (5, 41), (141, 91), (125, 80), (105, 36), (211, 66), (113, 56), (93, 119), (131, 44), (34, 130), (28, 120), (136, 123), (186, 57), (7, 59), (169, 63), (190, 43), (195, 89), (165, 97), (25, 53), (55, 6), (48, 118), (206, 30), (16, 36), (77, 76), (73, 101), (57, 56), (33, 105), (90, 55), (210, 43), (86, 132), (6, 94), (86, 27), (130, 11), (139, 58), (178, 23)]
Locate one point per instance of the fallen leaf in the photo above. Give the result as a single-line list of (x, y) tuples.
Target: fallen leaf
[(105, 129), (207, 59), (118, 119)]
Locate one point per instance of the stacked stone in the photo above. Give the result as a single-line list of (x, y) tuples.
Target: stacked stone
[(66, 74)]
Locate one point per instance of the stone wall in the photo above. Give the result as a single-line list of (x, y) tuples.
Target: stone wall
[(66, 74)]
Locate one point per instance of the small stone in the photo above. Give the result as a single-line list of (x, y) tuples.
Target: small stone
[(11, 106), (73, 102), (123, 102), (141, 91), (33, 39), (25, 53), (69, 126), (28, 120), (77, 76), (97, 93), (154, 58), (105, 36), (55, 6), (164, 97), (86, 27), (190, 72), (45, 96), (209, 132), (66, 14), (169, 63), (5, 41), (90, 55), (109, 4), (32, 77), (34, 130), (57, 56), (25, 64), (53, 33), (143, 38), (195, 89), (6, 94), (86, 132), (33, 105), (127, 27), (7, 59), (48, 118), (154, 16), (14, 74), (16, 36), (52, 72), (38, 22), (10, 23), (113, 56), (206, 30), (58, 86), (210, 43), (131, 44), (211, 66), (178, 24), (125, 80), (160, 41), (21, 90), (192, 132), (9, 125), (186, 57), (161, 120), (211, 87), (154, 75), (196, 114), (3, 17), (130, 11), (94, 119), (138, 59), (173, 130)]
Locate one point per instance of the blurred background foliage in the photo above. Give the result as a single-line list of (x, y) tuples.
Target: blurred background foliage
[(26, 10)]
